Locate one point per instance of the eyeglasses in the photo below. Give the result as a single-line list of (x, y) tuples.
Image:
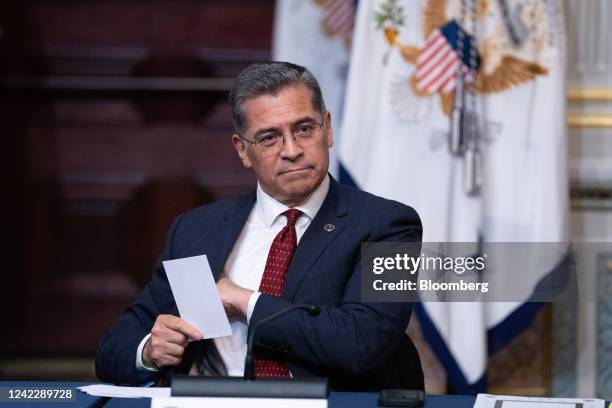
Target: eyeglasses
[(304, 134)]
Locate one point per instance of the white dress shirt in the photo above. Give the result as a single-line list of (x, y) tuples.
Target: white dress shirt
[(246, 263)]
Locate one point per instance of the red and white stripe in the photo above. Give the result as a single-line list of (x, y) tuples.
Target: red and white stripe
[(437, 65), (339, 17)]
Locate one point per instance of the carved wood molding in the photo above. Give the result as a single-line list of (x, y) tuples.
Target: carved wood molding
[(116, 84), (589, 94), (602, 120)]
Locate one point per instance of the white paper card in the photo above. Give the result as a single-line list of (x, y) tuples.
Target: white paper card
[(113, 391), (197, 402), (196, 295), (505, 401)]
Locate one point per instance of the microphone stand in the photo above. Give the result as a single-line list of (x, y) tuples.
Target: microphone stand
[(247, 386), (249, 361)]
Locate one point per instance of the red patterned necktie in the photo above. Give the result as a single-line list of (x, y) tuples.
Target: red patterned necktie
[(273, 280)]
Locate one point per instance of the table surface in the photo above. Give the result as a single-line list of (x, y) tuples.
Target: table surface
[(336, 400)]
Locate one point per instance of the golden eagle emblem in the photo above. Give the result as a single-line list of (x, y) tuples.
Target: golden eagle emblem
[(499, 71)]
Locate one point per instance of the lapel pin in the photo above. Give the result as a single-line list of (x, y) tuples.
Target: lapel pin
[(329, 227)]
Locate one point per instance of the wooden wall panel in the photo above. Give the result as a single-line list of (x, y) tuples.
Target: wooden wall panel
[(107, 147)]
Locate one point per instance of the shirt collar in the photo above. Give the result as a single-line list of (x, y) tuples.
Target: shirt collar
[(269, 209)]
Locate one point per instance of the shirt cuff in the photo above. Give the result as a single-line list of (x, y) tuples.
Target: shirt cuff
[(140, 365), (251, 305)]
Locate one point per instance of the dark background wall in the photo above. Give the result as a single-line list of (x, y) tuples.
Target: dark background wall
[(114, 119)]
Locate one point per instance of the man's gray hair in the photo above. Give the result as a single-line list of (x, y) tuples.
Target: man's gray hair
[(269, 78)]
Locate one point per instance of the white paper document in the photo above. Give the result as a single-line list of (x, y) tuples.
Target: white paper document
[(506, 401), (196, 295), (106, 390), (197, 402)]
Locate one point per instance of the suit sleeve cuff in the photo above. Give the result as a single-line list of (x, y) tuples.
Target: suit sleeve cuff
[(140, 365), (251, 305)]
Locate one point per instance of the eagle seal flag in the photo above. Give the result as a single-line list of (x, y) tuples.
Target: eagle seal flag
[(494, 71)]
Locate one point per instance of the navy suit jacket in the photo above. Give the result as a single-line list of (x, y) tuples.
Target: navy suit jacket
[(357, 345)]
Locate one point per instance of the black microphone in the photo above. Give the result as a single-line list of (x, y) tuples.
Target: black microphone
[(249, 361), (203, 386)]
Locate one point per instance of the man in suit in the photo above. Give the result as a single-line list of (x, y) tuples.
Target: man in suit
[(296, 239)]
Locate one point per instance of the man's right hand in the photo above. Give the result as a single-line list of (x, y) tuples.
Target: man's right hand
[(169, 337)]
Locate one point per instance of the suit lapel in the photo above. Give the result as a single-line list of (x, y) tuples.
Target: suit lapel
[(228, 230), (317, 238)]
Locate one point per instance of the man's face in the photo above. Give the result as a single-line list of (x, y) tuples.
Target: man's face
[(292, 173)]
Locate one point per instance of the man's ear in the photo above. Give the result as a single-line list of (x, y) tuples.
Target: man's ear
[(328, 130), (241, 147)]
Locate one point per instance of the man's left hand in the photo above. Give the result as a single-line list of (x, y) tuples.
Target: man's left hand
[(235, 299)]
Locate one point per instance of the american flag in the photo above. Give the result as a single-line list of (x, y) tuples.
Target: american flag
[(339, 17), (439, 60)]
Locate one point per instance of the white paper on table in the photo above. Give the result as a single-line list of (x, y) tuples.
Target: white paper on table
[(196, 295), (199, 402), (506, 401), (113, 391)]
